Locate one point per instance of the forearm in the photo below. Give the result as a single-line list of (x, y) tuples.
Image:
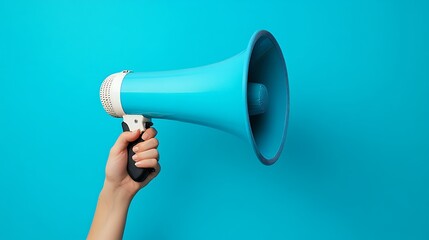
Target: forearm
[(110, 214)]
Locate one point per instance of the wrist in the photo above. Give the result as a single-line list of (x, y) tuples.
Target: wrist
[(116, 193)]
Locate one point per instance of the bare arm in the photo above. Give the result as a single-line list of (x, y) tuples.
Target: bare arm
[(119, 189)]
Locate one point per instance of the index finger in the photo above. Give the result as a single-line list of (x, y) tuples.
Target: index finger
[(149, 133)]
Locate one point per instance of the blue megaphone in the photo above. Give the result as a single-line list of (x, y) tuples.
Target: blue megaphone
[(246, 95)]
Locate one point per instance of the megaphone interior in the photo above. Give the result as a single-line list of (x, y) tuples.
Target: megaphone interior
[(246, 95)]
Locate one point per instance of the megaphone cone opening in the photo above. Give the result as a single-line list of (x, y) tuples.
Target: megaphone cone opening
[(266, 67)]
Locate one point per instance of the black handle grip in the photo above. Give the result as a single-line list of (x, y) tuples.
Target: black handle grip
[(137, 174)]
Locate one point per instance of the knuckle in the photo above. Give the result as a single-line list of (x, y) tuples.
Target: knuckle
[(154, 131), (155, 153), (155, 142), (148, 132), (152, 163)]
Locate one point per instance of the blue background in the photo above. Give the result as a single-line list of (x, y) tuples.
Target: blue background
[(356, 159)]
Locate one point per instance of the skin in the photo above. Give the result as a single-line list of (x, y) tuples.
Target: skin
[(119, 189)]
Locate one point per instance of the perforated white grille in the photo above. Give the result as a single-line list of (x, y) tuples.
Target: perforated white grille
[(105, 96)]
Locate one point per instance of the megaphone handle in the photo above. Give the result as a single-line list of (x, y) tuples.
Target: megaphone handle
[(137, 174)]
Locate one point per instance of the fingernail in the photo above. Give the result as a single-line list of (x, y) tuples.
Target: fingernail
[(135, 149), (134, 157), (137, 164)]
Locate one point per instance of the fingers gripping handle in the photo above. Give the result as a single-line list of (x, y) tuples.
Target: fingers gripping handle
[(137, 174)]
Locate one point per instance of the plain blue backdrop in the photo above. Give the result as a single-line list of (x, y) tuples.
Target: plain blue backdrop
[(356, 160)]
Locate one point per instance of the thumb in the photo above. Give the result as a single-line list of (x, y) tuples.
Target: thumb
[(124, 139)]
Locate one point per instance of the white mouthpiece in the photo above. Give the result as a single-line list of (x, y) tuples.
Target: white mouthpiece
[(110, 94)]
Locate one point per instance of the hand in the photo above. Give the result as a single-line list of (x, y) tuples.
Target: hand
[(146, 156), (119, 188)]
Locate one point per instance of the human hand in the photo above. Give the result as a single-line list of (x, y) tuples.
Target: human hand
[(146, 156), (119, 188)]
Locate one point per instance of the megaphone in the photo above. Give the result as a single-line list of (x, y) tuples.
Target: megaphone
[(246, 95)]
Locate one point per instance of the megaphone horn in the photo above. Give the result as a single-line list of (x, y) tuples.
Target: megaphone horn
[(246, 95)]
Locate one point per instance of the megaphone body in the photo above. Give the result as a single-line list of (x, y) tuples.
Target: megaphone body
[(246, 95)]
